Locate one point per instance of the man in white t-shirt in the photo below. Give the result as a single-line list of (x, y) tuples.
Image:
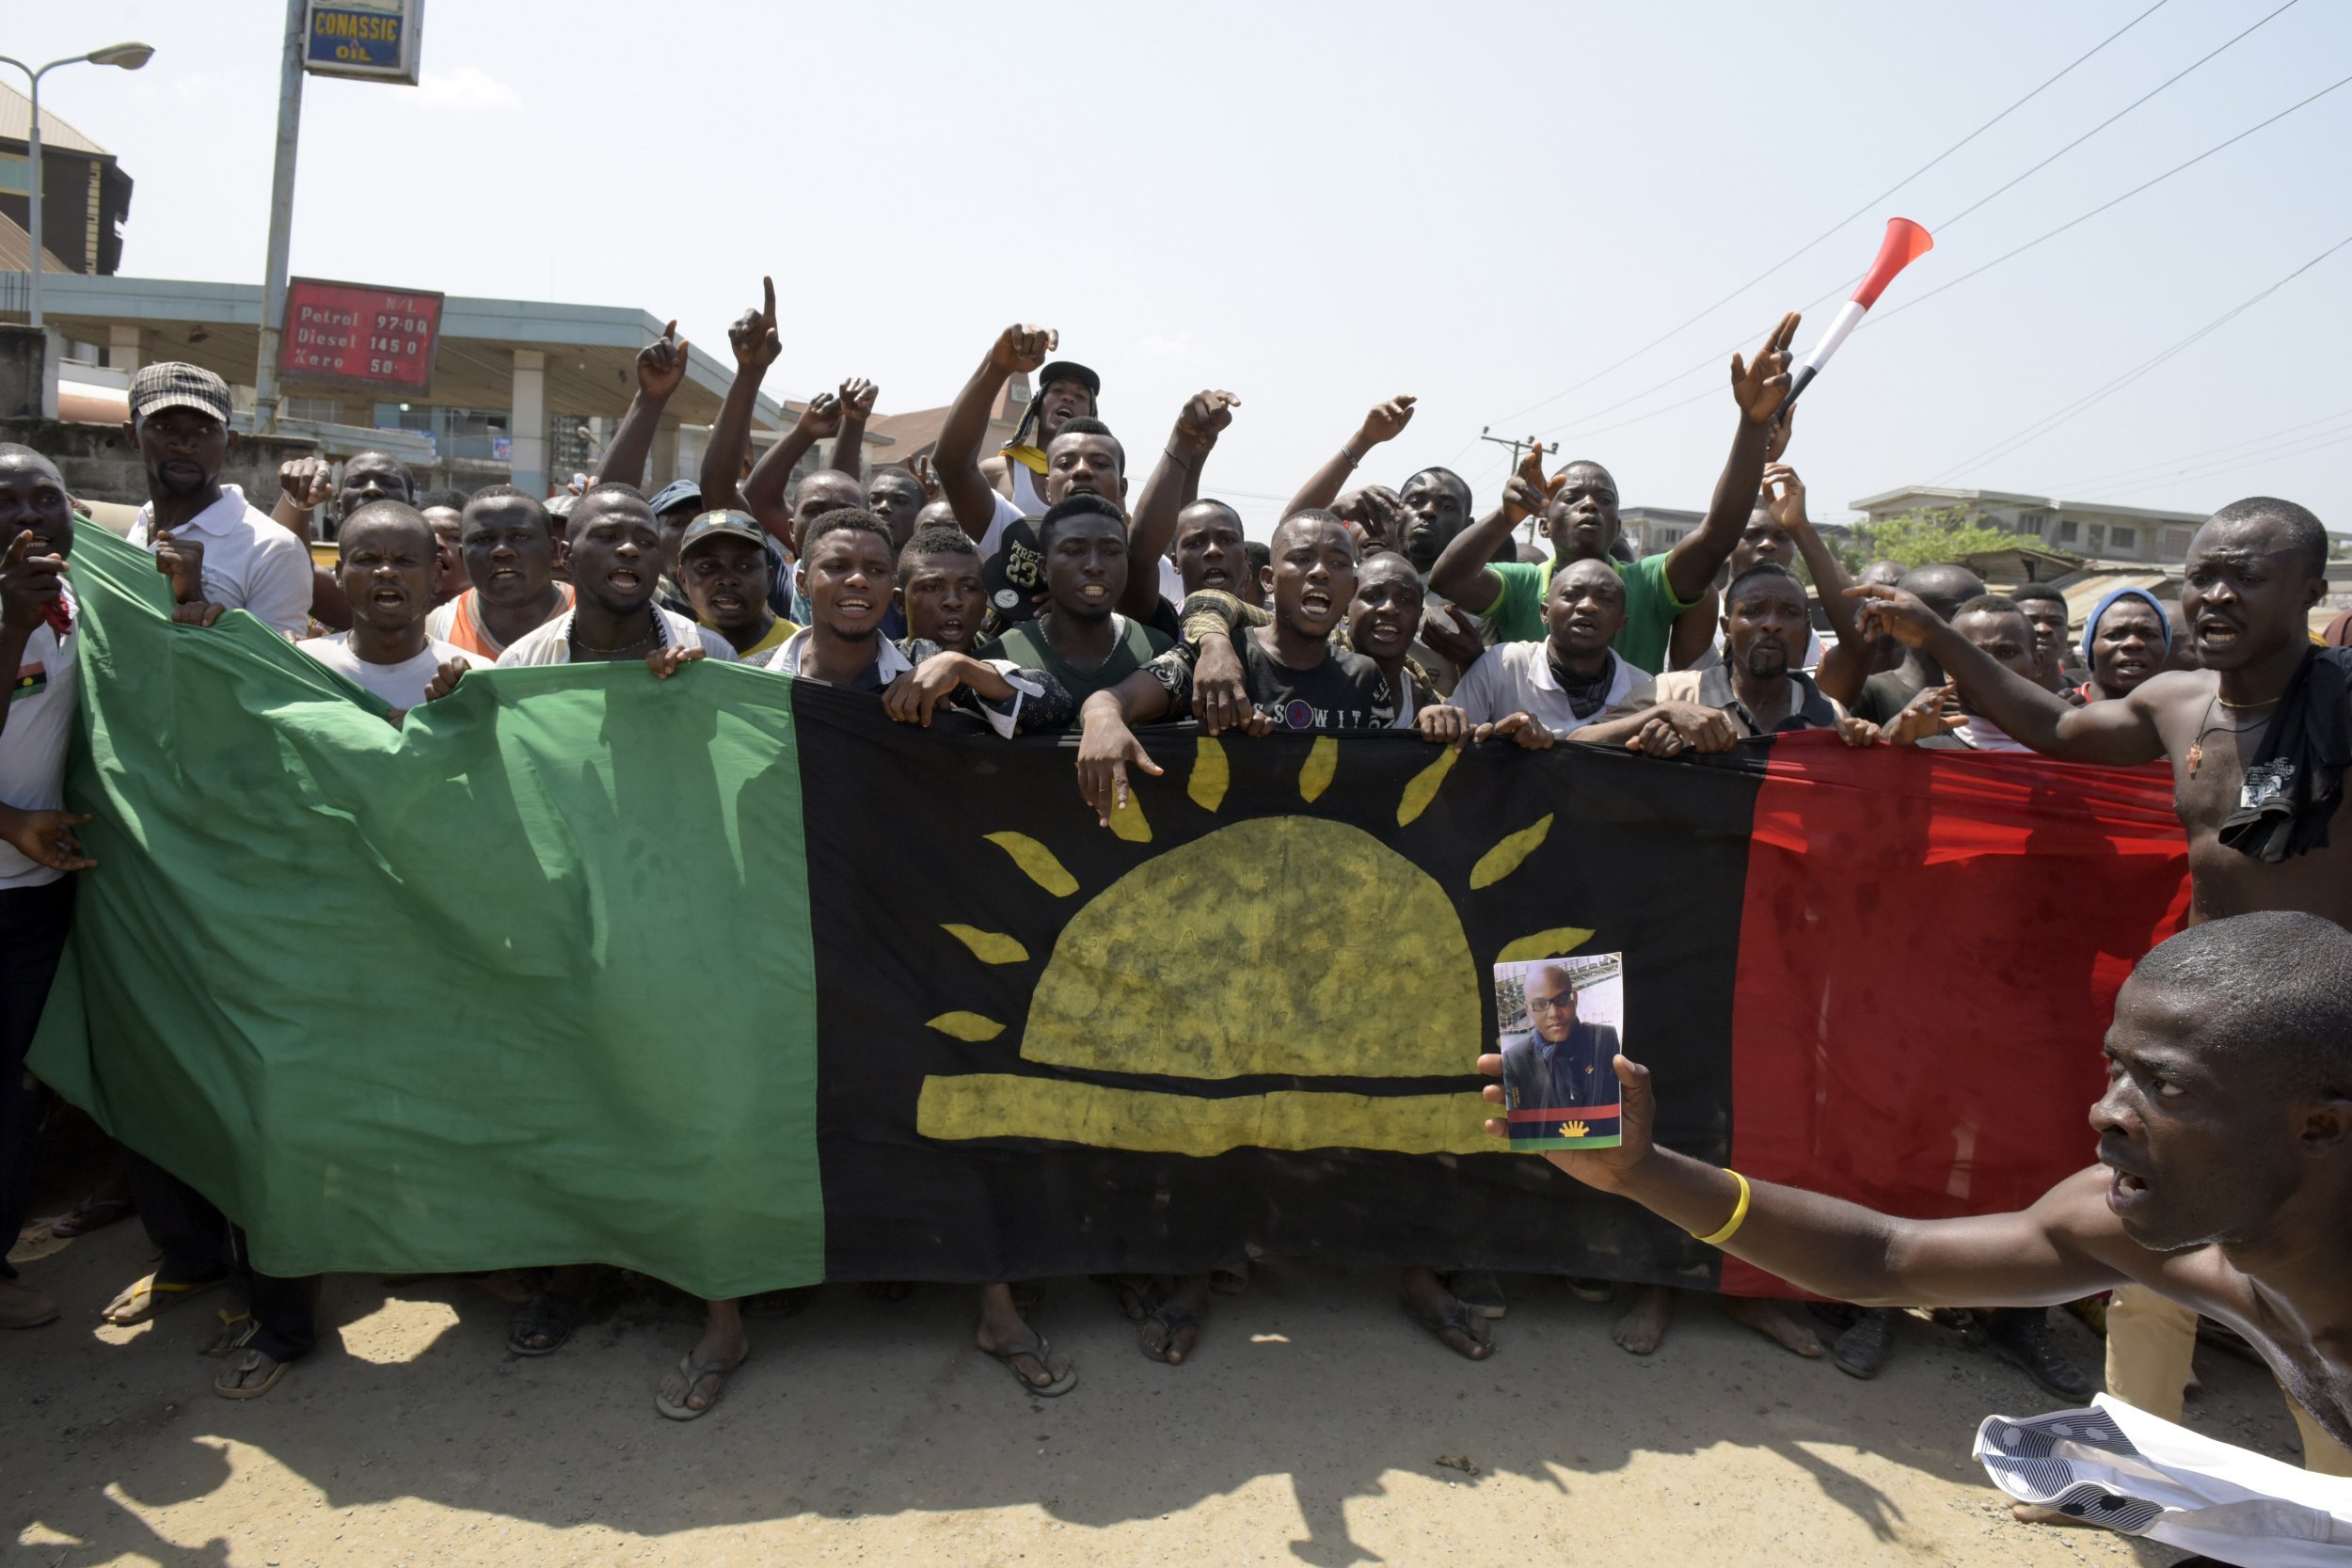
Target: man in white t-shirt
[(1570, 679), (613, 549), (389, 561), (206, 537), (38, 847)]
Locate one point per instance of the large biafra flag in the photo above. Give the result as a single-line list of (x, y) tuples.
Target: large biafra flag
[(731, 980)]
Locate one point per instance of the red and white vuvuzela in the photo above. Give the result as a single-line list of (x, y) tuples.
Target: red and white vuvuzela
[(1905, 242)]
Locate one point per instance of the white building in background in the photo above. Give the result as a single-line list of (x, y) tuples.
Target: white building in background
[(1655, 530), (2098, 530)]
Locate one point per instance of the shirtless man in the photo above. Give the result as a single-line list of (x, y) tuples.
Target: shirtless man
[(2224, 1173), (2254, 571)]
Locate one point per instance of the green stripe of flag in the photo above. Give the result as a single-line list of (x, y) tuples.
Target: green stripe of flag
[(526, 981)]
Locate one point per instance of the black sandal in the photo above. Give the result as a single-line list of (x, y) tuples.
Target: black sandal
[(1455, 1316), (1172, 1316), (546, 1316)]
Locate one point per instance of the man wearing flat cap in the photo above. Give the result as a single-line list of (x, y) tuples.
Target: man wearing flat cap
[(220, 551)]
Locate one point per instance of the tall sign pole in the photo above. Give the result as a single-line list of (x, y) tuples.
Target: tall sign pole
[(373, 40), (281, 189)]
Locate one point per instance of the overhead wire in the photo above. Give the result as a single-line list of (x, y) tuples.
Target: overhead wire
[(1947, 223), (2286, 436), (2020, 440), (1880, 317), (2176, 168), (2264, 461), (1867, 206)]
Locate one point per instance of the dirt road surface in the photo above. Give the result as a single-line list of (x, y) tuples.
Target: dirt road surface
[(1314, 1427)]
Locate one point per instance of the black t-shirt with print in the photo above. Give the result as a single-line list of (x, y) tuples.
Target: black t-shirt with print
[(1347, 691)]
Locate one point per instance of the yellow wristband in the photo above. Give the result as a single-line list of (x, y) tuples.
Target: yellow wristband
[(1739, 1214)]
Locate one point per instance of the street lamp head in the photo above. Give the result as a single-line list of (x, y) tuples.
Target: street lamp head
[(130, 56)]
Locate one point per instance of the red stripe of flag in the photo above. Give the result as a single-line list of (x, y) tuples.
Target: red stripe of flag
[(1930, 948)]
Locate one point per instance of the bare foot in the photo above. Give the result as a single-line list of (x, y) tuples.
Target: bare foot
[(2034, 1514), (1432, 1306), (719, 1351), (1768, 1318), (1172, 1327), (1006, 1335), (1642, 1328)]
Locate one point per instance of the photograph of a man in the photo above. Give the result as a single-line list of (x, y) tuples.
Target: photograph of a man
[(1563, 1062)]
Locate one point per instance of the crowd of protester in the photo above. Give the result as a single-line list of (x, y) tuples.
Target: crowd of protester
[(1037, 590)]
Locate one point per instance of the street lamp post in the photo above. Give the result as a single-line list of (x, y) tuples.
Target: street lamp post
[(130, 56)]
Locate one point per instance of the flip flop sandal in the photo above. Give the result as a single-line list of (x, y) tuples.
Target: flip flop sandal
[(1458, 1317), (545, 1314), (1170, 1316), (1479, 1291), (693, 1371), (1230, 1280), (1039, 1350), (91, 1213), (247, 1362), (235, 1329), (151, 1295)]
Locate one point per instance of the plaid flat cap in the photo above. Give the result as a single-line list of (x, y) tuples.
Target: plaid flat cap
[(174, 385)]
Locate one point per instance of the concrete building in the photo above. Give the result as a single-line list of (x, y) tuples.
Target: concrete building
[(517, 385), (2098, 530), (1655, 530)]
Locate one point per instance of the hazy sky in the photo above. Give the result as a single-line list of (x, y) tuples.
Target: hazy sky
[(1320, 206)]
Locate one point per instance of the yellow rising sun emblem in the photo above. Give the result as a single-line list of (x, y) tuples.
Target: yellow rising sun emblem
[(1245, 953), (1575, 1129)]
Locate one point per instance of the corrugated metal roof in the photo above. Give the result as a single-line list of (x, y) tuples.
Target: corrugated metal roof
[(16, 250), (2083, 594), (16, 123)]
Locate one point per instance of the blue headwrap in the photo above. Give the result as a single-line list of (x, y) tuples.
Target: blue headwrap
[(2090, 627)]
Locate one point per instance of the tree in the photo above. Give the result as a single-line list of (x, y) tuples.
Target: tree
[(1943, 533)]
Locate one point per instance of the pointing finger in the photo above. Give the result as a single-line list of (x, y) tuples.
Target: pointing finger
[(768, 310)]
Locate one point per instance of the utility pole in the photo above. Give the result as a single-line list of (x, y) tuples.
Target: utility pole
[(1517, 447), (280, 220)]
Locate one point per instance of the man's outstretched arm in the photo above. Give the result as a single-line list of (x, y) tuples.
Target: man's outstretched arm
[(2035, 1257), (754, 341), (1460, 572), (661, 366), (2118, 733), (957, 455), (1386, 422), (1758, 388), (1174, 485)]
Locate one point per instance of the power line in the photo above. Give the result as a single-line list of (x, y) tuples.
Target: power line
[(2234, 467), (2113, 117), (1873, 203), (2051, 421), (1879, 316), (1922, 299), (2287, 436)]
